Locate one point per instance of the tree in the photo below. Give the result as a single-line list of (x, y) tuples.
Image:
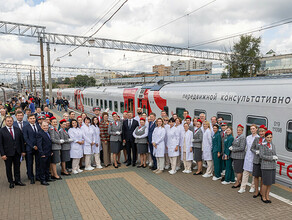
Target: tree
[(67, 80), (245, 58), (83, 81)]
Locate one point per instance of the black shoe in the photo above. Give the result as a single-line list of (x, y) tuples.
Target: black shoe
[(126, 161), (128, 164), (144, 166), (200, 173), (37, 179), (19, 183), (236, 186), (118, 163), (255, 196), (50, 180), (139, 166), (55, 178), (65, 174), (32, 181), (116, 166), (154, 168), (45, 183), (134, 164), (269, 201), (265, 201), (11, 185)]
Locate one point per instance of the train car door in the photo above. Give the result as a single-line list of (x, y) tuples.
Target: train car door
[(143, 101), (129, 99)]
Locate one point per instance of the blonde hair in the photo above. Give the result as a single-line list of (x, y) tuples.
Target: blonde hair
[(254, 125), (206, 122)]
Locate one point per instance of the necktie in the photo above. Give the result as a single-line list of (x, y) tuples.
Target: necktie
[(11, 132), (20, 125), (34, 128), (130, 123), (48, 135), (269, 145)]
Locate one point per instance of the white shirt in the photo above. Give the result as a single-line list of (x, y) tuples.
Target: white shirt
[(34, 128), (12, 131)]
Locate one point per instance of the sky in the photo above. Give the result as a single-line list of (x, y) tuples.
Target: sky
[(138, 21)]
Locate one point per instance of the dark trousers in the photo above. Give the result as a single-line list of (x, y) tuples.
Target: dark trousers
[(152, 156), (131, 147), (15, 160), (30, 155), (44, 168)]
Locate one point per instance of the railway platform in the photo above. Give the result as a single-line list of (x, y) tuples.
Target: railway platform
[(132, 193)]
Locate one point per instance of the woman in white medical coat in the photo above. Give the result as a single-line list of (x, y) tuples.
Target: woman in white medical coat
[(207, 149), (158, 137), (76, 151), (172, 144), (96, 148), (186, 148), (89, 142)]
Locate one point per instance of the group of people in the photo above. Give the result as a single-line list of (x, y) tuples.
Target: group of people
[(163, 143)]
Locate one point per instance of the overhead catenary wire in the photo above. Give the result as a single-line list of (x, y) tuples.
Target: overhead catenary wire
[(70, 52), (176, 19), (258, 29)]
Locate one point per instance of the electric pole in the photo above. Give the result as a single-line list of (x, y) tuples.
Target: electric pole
[(49, 72), (43, 71)]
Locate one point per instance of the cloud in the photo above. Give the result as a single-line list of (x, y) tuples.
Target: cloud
[(135, 21)]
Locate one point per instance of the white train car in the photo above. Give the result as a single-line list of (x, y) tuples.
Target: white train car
[(246, 101), (6, 93)]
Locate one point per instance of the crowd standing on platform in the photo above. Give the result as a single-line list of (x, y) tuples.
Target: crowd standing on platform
[(30, 132)]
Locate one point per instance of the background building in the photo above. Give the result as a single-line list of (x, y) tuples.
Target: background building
[(191, 65), (161, 70), (275, 64)]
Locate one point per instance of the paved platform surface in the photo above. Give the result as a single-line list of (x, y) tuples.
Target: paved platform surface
[(135, 193)]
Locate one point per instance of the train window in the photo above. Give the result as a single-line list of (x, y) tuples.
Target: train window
[(197, 112), (101, 103), (85, 101), (180, 112), (105, 104), (122, 107), (227, 117), (166, 109), (91, 101), (289, 136), (96, 102), (116, 106), (258, 120), (110, 103)]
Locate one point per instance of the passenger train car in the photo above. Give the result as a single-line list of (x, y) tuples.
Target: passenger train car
[(246, 101), (6, 93)]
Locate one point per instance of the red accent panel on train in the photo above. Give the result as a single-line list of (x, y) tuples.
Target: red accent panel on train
[(129, 99), (160, 102)]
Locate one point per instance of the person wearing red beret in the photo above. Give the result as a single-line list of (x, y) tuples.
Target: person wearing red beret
[(237, 154), (256, 170), (140, 134), (268, 165), (115, 131)]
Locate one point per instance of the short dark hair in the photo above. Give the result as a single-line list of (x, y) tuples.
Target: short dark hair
[(31, 115), (104, 113), (186, 111), (71, 112), (87, 119), (216, 125), (18, 112), (71, 126), (152, 113), (171, 119)]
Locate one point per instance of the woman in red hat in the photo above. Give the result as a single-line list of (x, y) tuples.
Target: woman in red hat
[(115, 131), (238, 154), (256, 170), (140, 134), (268, 165)]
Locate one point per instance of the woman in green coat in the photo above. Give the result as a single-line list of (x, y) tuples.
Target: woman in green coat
[(229, 173), (216, 152)]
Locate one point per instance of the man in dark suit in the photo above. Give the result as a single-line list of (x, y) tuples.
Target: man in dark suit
[(19, 120), (29, 135), (12, 149), (129, 126), (151, 127), (46, 111), (44, 145)]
